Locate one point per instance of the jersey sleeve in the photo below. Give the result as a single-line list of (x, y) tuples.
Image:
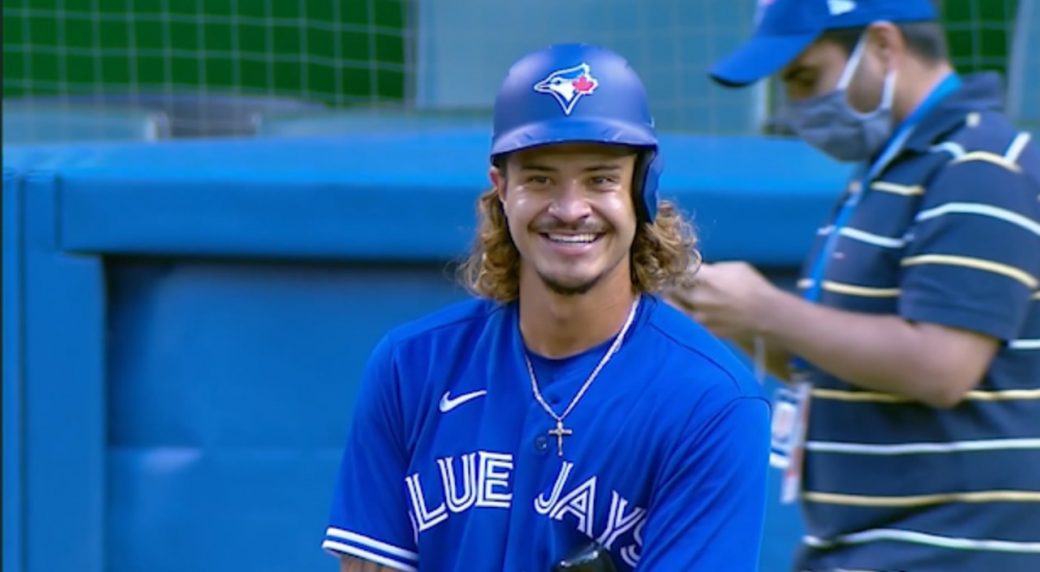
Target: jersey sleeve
[(708, 507), (973, 259), (369, 517)]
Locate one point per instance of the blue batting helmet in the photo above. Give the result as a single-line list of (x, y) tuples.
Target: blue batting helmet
[(570, 93)]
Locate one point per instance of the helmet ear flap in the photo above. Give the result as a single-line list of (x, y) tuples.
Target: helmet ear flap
[(648, 170)]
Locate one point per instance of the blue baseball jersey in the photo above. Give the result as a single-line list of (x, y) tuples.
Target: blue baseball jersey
[(449, 464)]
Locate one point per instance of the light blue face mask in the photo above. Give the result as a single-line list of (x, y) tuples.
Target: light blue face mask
[(829, 123)]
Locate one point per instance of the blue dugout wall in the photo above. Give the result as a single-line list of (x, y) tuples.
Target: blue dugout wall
[(185, 323)]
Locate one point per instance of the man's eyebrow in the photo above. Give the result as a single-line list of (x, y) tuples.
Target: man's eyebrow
[(603, 168), (596, 168), (536, 167)]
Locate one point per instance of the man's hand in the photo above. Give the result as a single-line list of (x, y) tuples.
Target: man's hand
[(729, 298)]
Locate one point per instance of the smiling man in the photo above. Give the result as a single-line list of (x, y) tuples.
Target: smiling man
[(565, 409)]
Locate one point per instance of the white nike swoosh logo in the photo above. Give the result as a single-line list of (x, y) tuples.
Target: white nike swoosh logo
[(447, 403)]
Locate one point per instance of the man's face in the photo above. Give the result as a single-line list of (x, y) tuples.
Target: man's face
[(570, 213), (817, 70)]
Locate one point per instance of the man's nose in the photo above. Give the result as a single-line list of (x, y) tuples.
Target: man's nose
[(570, 204)]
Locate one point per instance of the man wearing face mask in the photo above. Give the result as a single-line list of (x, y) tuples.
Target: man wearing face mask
[(915, 334)]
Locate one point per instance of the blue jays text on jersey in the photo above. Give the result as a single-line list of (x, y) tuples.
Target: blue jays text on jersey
[(449, 464)]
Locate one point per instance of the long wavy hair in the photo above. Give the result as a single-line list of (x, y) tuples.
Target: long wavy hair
[(664, 253)]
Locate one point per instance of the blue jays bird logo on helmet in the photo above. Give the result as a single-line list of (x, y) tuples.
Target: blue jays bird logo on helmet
[(568, 85)]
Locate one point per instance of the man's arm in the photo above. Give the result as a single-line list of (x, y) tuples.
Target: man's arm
[(966, 282), (934, 364), (925, 362), (351, 564)]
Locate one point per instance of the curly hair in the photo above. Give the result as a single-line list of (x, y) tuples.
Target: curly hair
[(664, 253)]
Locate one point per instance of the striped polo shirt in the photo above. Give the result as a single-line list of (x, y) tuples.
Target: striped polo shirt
[(948, 233)]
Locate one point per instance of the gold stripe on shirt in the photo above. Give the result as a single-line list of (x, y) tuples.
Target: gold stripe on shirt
[(988, 157), (922, 500), (877, 397), (975, 263)]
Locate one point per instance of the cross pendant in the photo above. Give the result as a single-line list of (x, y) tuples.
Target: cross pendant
[(560, 432)]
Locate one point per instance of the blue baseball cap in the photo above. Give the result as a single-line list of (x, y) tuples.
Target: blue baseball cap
[(786, 28)]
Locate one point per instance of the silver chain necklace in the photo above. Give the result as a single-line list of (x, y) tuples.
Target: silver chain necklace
[(560, 431)]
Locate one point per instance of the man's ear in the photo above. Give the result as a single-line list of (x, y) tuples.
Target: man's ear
[(498, 181), (888, 42)]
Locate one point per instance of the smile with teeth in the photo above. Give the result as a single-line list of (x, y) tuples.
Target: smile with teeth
[(572, 238)]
